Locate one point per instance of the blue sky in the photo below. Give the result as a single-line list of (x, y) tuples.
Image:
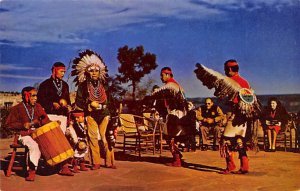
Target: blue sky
[(262, 35)]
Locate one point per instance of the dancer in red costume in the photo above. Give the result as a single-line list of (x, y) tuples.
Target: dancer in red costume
[(244, 107), (176, 106), (231, 68)]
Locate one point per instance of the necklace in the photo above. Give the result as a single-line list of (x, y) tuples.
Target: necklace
[(58, 87), (81, 127), (27, 112), (94, 91)]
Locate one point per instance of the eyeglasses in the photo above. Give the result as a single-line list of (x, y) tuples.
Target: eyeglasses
[(208, 103)]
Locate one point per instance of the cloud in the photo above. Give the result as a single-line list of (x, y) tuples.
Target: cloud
[(25, 23), (21, 77), (14, 67)]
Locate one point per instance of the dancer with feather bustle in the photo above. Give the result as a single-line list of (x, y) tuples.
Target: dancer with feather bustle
[(244, 107), (176, 105)]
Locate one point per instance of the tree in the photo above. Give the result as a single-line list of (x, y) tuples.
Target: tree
[(115, 88), (144, 88), (135, 64)]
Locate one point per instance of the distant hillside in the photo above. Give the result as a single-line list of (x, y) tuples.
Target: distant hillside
[(290, 101)]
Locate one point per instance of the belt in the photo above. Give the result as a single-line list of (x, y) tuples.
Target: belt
[(101, 106)]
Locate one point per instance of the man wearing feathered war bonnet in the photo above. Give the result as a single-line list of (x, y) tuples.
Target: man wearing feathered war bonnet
[(92, 98)]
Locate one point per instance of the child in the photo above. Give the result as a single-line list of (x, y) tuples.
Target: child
[(78, 138)]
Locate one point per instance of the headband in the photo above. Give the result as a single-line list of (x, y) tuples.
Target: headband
[(230, 64), (78, 114), (166, 71), (55, 69), (27, 95)]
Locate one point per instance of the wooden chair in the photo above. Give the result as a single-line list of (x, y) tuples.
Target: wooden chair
[(258, 135), (152, 120), (286, 138), (15, 146), (147, 116), (137, 134), (293, 136)]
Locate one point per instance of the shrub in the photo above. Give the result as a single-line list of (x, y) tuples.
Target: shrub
[(5, 132)]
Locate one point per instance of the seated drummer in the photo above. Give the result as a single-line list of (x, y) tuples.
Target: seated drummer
[(25, 117)]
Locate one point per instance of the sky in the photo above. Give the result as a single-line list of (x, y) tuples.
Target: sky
[(263, 36)]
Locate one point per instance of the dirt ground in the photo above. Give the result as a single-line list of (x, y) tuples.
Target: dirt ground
[(268, 171)]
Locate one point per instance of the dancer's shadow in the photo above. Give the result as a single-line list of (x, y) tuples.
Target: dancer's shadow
[(201, 167), (120, 156)]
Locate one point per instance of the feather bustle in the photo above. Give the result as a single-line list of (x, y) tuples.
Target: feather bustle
[(226, 87)]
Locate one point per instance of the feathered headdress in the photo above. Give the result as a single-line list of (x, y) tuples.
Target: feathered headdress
[(224, 86), (88, 60)]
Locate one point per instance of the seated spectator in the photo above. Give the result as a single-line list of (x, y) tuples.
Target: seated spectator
[(189, 120), (274, 117), (211, 117)]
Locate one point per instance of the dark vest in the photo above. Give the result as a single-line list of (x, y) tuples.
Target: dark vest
[(80, 132), (209, 113)]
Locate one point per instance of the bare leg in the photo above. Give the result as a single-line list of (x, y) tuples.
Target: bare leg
[(274, 140), (270, 139)]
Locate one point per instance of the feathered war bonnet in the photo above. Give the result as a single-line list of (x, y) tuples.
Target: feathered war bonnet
[(88, 60)]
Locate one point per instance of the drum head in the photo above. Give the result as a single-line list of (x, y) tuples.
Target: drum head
[(62, 119)]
